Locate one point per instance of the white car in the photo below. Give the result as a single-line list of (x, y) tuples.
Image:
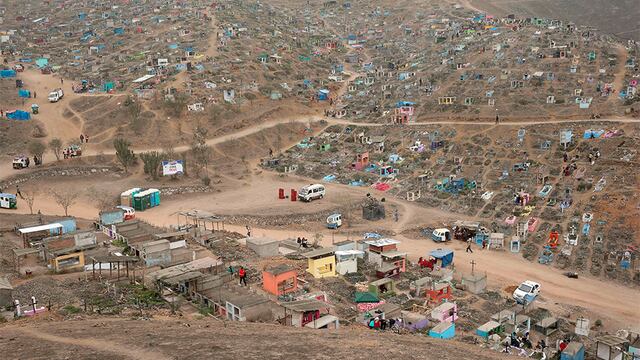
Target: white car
[(526, 292), (129, 212)]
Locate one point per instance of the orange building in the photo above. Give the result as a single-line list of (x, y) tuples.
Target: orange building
[(280, 280)]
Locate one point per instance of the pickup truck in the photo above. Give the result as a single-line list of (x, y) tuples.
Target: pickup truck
[(56, 95)]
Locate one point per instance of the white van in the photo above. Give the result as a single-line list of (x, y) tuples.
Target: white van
[(441, 235), (311, 192)]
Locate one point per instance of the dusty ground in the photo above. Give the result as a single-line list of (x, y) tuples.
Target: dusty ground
[(175, 339), (242, 190)]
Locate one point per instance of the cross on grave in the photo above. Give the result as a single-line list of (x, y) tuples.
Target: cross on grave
[(473, 266)]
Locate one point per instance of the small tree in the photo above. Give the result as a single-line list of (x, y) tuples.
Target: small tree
[(29, 197), (134, 109), (37, 149), (65, 198), (151, 160), (56, 147), (103, 198), (200, 151), (124, 154), (175, 107)]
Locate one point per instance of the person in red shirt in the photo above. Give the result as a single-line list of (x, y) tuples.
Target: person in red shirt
[(243, 276)]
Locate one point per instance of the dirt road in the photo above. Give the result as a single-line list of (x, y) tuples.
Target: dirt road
[(97, 344)]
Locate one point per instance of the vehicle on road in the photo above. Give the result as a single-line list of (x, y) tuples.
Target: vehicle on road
[(311, 192), (526, 292), (56, 95), (441, 235), (21, 162), (129, 212), (8, 201)]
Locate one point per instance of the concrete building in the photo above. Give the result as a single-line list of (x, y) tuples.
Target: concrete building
[(6, 292), (321, 263), (264, 247), (347, 261), (280, 280)]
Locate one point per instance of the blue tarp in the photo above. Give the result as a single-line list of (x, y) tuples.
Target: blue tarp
[(400, 104), (8, 73), (118, 31), (24, 93), (592, 134), (323, 94), (18, 115), (445, 255), (42, 62)]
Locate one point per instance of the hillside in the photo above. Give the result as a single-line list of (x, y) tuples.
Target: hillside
[(618, 17), (172, 339)]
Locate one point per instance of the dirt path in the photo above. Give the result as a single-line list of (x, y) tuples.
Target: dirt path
[(618, 82), (96, 344)]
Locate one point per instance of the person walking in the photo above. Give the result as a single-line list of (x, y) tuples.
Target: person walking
[(469, 246), (242, 273), (86, 138), (248, 231), (81, 138), (35, 94)]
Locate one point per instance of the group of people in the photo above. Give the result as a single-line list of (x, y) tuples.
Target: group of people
[(430, 263), (84, 138), (302, 242), (520, 342), (378, 323), (242, 274)]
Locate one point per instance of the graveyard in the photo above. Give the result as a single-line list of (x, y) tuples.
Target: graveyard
[(241, 179)]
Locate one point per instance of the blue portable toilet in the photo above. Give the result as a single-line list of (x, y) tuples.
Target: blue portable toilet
[(573, 351), (444, 330), (323, 94), (155, 197), (444, 255), (23, 93)]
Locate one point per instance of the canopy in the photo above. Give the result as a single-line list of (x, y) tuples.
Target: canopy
[(40, 228), (366, 297), (445, 255)]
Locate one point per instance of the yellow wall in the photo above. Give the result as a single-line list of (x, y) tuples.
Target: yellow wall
[(79, 255), (323, 267)]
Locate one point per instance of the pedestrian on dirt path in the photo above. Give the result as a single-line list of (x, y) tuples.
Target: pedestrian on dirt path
[(469, 246), (248, 231), (396, 216), (35, 94), (61, 81), (18, 193), (243, 276), (86, 138), (81, 138), (497, 119)]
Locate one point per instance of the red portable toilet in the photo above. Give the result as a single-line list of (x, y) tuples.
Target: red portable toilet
[(280, 193), (294, 195)]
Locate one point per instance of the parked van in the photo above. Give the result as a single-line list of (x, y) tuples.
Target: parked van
[(441, 235), (129, 212), (311, 192)]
